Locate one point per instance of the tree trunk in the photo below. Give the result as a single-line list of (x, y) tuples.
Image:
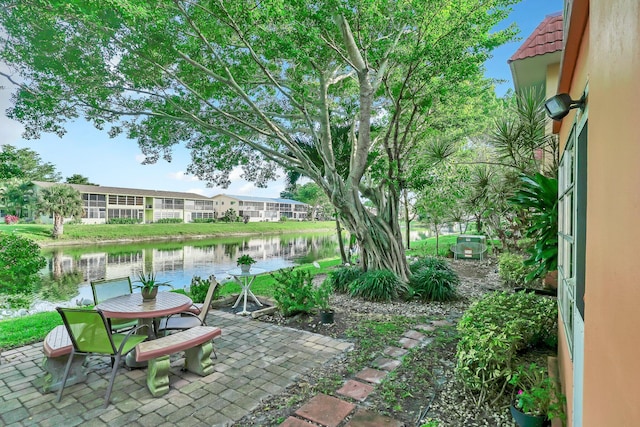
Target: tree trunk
[(58, 225), (406, 219), (343, 255), (379, 236)]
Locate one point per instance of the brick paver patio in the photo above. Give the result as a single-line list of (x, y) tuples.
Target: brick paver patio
[(255, 360)]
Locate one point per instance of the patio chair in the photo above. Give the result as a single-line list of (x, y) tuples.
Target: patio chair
[(187, 319), (109, 288), (90, 333)]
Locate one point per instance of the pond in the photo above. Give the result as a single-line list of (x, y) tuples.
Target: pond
[(70, 269)]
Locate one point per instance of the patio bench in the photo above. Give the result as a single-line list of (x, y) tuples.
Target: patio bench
[(197, 345), (56, 347)]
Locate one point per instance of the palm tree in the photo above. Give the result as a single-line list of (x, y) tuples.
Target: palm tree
[(61, 201)]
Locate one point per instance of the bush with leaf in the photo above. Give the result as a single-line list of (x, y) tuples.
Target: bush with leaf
[(293, 291), (512, 269), (538, 195), (378, 285), (120, 221), (20, 262), (342, 277), (433, 279), (170, 221), (199, 287), (494, 330)]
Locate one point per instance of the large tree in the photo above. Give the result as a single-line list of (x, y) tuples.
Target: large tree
[(60, 201), (243, 82)]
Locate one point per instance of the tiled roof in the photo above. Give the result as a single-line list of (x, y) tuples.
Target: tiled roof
[(99, 189), (546, 38), (260, 199)]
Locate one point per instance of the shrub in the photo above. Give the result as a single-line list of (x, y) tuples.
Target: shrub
[(199, 287), (123, 221), (203, 220), (432, 284), (293, 291), (170, 221), (20, 262), (341, 278), (512, 271), (16, 301), (378, 285), (429, 262), (494, 330), (11, 219)]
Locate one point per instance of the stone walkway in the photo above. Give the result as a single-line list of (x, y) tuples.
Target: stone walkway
[(329, 411), (255, 360)]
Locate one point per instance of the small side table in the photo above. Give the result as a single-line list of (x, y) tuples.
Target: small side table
[(246, 279)]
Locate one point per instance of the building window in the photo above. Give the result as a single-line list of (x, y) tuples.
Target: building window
[(572, 201)]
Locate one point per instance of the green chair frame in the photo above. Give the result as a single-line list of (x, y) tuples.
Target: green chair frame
[(91, 334), (110, 288)]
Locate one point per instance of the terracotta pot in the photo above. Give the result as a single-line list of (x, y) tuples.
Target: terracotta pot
[(149, 294)]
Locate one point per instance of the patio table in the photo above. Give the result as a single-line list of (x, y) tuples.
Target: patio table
[(131, 306), (246, 279)]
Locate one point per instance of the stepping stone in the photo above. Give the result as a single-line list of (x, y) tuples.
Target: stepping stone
[(386, 364), (355, 390), (414, 335), (395, 351), (326, 410), (441, 323), (426, 328), (364, 418), (295, 422), (408, 342), (371, 375)]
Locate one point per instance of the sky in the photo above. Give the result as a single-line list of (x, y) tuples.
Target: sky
[(116, 162)]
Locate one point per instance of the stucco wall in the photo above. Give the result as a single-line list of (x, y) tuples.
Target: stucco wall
[(612, 299)]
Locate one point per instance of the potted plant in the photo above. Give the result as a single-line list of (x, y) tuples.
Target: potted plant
[(537, 401), (149, 286), (244, 262), (321, 297)]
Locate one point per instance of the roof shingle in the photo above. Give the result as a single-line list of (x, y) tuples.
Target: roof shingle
[(546, 38)]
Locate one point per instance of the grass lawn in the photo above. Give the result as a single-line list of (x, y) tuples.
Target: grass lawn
[(41, 233)]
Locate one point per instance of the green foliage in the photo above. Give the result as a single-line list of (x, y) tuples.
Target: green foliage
[(199, 287), (148, 281), (60, 201), (203, 220), (322, 294), (230, 215), (61, 288), (293, 291), (170, 221), (378, 285), (537, 393), (538, 195), (284, 219), (20, 262), (123, 221), (512, 269), (16, 301), (431, 262), (245, 259), (433, 279), (342, 277), (494, 330)]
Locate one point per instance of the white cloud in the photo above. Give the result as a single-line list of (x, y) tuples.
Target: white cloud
[(140, 158), (181, 176)]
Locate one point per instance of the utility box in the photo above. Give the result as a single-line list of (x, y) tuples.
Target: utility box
[(469, 247)]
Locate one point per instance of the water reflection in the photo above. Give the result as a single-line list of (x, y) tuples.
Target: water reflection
[(176, 262)]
